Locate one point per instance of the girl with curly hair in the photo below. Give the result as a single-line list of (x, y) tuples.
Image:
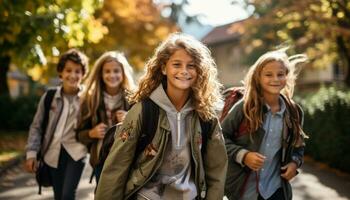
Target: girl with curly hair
[(181, 79)]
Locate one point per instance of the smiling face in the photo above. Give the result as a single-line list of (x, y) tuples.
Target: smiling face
[(112, 75), (71, 76), (180, 71), (273, 78)]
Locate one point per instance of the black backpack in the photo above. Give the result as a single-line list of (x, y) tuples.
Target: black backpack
[(42, 174), (150, 114)]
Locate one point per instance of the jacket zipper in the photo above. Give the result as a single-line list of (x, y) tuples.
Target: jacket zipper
[(178, 117)]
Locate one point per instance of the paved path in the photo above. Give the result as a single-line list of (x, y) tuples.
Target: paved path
[(313, 183), (17, 184)]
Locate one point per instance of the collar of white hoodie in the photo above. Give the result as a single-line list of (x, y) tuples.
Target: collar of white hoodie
[(162, 100)]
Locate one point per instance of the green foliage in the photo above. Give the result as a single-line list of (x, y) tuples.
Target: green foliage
[(319, 28), (33, 33), (17, 114), (327, 122)]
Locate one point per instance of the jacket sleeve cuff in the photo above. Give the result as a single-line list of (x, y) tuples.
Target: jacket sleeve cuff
[(297, 161), (240, 156), (31, 154)]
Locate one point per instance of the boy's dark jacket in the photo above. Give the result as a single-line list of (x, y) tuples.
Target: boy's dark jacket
[(236, 174), (82, 132)]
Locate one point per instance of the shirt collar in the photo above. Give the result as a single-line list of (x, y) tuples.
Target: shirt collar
[(282, 107), (60, 88)]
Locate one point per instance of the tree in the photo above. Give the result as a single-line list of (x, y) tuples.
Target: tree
[(32, 33), (135, 27), (321, 28)]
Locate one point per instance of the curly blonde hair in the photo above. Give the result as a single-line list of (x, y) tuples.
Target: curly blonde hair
[(206, 89), (94, 84), (253, 97)]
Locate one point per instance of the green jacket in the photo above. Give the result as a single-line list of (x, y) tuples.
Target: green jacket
[(122, 175), (236, 140)]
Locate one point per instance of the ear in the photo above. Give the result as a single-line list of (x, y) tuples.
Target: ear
[(163, 70)]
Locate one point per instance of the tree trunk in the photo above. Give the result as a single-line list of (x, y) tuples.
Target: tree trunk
[(345, 53), (4, 67)]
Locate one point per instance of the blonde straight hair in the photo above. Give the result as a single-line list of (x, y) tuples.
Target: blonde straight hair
[(94, 84), (253, 97)]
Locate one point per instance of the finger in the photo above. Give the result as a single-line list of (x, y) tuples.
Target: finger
[(259, 161), (284, 167), (284, 176), (260, 156)]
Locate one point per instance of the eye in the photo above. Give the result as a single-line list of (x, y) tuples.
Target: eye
[(176, 65), (191, 66)]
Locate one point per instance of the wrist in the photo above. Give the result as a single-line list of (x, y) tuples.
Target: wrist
[(294, 164), (91, 135)]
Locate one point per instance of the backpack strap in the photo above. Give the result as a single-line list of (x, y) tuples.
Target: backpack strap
[(206, 127), (47, 105), (149, 123), (150, 114)]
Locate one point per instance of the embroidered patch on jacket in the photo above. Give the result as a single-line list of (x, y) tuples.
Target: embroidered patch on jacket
[(126, 132), (218, 135), (150, 150)]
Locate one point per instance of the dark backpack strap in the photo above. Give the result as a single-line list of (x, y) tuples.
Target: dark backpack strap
[(47, 106), (149, 123), (206, 127)]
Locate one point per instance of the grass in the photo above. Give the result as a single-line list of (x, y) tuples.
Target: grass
[(12, 144)]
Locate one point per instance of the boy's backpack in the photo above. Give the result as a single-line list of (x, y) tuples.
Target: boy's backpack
[(232, 95), (150, 115), (42, 174)]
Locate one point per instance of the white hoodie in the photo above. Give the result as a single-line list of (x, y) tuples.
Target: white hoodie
[(173, 180)]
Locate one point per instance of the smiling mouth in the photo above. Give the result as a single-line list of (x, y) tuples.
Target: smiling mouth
[(183, 79)]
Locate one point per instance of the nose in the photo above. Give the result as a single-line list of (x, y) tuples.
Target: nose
[(276, 78), (184, 70)]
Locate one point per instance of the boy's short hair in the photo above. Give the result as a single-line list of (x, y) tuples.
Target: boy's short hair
[(75, 56)]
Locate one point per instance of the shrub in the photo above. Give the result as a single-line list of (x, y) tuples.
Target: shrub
[(17, 114), (327, 122)]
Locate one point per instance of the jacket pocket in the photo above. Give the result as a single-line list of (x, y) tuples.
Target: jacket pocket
[(136, 179)]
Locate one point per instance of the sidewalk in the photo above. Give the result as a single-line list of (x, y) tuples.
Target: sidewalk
[(313, 183), (319, 182), (17, 184)]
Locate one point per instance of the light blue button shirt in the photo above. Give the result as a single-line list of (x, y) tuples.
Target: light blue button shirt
[(270, 174)]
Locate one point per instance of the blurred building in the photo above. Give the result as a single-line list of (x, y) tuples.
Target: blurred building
[(18, 83), (224, 43)]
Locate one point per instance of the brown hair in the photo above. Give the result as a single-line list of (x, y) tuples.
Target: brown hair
[(75, 56), (206, 89)]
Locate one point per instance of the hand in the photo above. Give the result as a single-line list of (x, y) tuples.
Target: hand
[(254, 160), (120, 115), (289, 171), (31, 165), (98, 131)]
